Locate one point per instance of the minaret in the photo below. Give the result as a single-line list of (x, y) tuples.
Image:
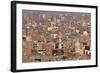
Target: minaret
[(77, 46), (60, 41)]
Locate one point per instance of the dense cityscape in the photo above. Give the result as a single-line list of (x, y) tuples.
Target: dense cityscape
[(55, 36)]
